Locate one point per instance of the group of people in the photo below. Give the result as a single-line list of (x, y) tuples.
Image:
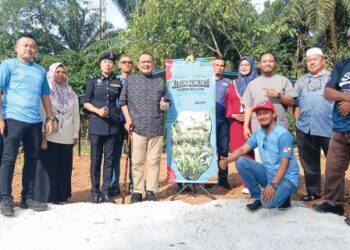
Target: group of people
[(41, 111)]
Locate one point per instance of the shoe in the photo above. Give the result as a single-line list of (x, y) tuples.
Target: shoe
[(347, 221), (136, 197), (151, 196), (325, 207), (285, 205), (95, 198), (310, 197), (106, 198), (224, 183), (7, 207), (114, 190), (245, 190), (255, 206), (33, 204)]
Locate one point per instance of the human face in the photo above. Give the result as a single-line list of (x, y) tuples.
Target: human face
[(60, 75), (265, 117), (26, 49), (244, 68), (267, 64), (219, 67), (125, 65), (315, 64), (146, 64), (106, 67)]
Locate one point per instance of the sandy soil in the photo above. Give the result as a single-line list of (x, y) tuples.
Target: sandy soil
[(81, 185)]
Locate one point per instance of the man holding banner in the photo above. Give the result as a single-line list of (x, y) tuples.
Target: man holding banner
[(143, 101)]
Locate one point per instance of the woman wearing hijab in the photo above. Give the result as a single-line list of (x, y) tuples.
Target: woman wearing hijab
[(55, 172), (235, 110)]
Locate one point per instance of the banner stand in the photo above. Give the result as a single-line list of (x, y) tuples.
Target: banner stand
[(194, 191)]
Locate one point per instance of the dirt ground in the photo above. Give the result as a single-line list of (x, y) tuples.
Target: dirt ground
[(81, 185)]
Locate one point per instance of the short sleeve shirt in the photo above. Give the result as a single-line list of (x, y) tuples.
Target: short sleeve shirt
[(340, 80), (255, 93), (315, 111), (273, 147), (23, 85)]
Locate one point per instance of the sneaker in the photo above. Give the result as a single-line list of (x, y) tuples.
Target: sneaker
[(150, 196), (245, 190), (33, 204), (325, 207), (285, 205), (255, 206), (224, 183), (136, 197), (7, 207)]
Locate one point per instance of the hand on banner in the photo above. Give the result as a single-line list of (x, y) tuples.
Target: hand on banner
[(268, 193), (271, 93), (2, 126), (163, 104), (223, 163)]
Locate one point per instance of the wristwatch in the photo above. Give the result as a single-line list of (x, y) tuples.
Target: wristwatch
[(274, 185), (279, 95), (50, 118)]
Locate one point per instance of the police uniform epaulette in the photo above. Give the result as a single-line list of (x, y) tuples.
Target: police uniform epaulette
[(95, 76)]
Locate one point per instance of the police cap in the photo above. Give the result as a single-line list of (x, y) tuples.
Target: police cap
[(109, 56)]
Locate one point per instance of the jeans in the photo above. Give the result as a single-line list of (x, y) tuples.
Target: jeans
[(222, 143), (30, 135), (254, 174), (309, 151)]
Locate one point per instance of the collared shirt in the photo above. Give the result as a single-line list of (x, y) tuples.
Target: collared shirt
[(273, 147), (315, 111), (142, 94), (23, 85), (221, 88)]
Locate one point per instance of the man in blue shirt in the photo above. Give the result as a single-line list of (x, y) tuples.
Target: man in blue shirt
[(338, 157), (278, 173), (24, 86), (222, 124), (314, 120)]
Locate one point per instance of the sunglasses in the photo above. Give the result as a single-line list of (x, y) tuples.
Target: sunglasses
[(126, 62)]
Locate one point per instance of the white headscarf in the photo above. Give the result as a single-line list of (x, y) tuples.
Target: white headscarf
[(62, 95)]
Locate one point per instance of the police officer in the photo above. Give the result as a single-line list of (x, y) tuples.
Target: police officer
[(100, 99)]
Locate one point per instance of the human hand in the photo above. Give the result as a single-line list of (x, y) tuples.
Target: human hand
[(271, 93), (102, 112), (48, 126), (344, 108), (44, 143), (75, 141), (163, 104), (240, 117), (128, 126), (223, 163), (246, 133), (268, 193)]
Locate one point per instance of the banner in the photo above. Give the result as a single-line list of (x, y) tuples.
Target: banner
[(191, 130)]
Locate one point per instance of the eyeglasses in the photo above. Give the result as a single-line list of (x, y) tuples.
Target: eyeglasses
[(126, 62)]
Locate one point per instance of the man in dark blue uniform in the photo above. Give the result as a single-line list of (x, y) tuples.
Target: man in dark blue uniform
[(100, 99)]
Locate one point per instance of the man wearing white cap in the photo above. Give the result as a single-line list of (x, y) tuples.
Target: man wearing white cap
[(314, 120), (338, 158)]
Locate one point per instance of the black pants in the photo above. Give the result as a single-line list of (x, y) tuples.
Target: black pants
[(310, 152), (101, 145), (54, 173), (222, 144), (30, 135)]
